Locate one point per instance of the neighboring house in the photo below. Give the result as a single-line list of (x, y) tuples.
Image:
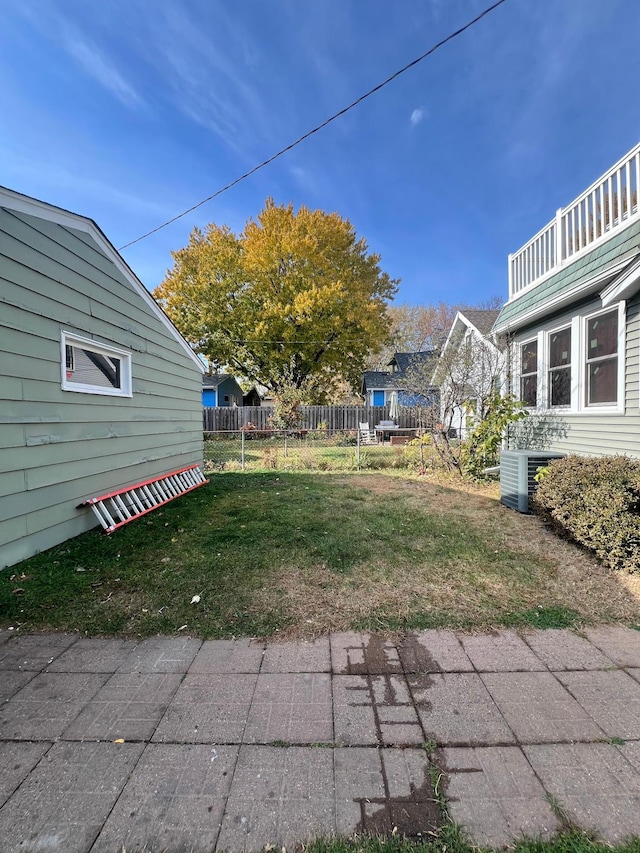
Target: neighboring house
[(98, 389), (470, 369), (410, 377), (252, 397), (220, 389), (572, 322)]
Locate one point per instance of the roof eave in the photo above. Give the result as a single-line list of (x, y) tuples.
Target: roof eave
[(585, 288)]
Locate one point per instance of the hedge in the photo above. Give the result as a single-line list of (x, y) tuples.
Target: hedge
[(596, 502)]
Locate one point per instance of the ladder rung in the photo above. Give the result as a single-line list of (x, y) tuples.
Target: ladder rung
[(117, 508)]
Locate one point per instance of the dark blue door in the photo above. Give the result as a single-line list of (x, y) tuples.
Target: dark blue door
[(208, 397), (378, 398)]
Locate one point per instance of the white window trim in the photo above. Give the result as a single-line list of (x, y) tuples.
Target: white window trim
[(547, 361), (540, 384), (578, 324), (617, 408), (71, 339)]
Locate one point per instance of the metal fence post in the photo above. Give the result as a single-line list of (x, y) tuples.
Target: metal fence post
[(242, 448), (358, 450), (285, 445)]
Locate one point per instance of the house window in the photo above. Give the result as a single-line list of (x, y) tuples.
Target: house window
[(602, 359), (560, 367), (529, 373), (92, 368)]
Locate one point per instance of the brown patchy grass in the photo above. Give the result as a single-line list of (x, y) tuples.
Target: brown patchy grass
[(298, 554), (550, 574)]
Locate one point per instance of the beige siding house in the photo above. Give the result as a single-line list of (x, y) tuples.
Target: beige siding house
[(98, 390), (572, 323)]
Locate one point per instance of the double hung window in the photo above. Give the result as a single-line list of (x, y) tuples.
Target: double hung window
[(559, 374), (529, 373), (602, 359)]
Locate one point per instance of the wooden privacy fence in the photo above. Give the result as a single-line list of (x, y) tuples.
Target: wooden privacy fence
[(223, 418)]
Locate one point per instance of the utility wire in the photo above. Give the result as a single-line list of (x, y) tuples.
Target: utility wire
[(324, 124)]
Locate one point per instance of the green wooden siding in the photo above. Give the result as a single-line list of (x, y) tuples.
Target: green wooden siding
[(590, 432), (620, 247), (57, 447)]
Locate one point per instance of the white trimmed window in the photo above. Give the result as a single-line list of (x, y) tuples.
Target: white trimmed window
[(529, 373), (92, 368), (559, 370), (601, 359)]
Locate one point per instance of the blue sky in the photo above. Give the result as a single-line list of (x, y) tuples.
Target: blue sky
[(129, 111)]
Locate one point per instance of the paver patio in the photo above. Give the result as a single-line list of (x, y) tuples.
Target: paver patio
[(239, 744)]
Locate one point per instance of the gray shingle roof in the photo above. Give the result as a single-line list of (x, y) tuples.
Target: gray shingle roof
[(215, 379), (482, 319), (385, 380)]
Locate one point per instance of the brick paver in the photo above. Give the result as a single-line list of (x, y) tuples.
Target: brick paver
[(231, 656), (93, 654), (560, 649), (279, 796), (129, 706), (162, 654), (539, 709), (241, 744), (17, 760), (595, 786), (362, 654), (11, 681), (456, 708), (33, 652), (64, 802), (495, 796), (502, 651), (43, 709), (311, 656), (208, 709), (611, 698), (620, 644), (174, 800), (292, 708), (434, 651)]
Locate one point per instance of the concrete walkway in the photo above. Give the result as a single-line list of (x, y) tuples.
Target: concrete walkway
[(182, 745)]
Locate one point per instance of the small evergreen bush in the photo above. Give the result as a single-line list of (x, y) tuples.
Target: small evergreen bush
[(596, 502)]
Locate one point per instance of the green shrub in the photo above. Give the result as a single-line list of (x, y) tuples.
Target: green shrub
[(596, 502)]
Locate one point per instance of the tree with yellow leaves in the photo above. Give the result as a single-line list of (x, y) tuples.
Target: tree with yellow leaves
[(294, 301)]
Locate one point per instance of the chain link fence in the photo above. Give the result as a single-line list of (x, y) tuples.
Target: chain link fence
[(307, 450)]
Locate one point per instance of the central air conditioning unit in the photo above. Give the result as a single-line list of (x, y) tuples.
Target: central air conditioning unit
[(517, 472)]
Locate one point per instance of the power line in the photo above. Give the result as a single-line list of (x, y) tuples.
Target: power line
[(324, 124)]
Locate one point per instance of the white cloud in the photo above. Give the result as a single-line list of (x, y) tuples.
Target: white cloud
[(98, 67), (416, 116)]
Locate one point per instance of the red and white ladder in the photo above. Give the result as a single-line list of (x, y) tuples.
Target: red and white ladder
[(117, 508)]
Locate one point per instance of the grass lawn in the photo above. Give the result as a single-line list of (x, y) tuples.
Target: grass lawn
[(300, 554), (452, 841)]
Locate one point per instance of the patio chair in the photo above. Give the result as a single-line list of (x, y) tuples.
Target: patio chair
[(367, 436)]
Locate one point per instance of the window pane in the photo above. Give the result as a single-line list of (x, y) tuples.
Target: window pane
[(529, 389), (602, 335), (603, 381), (560, 383), (560, 348), (529, 357), (91, 368)]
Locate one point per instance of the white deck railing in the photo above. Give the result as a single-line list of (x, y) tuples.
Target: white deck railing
[(609, 204)]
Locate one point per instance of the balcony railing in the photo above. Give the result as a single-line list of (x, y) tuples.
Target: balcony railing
[(608, 205)]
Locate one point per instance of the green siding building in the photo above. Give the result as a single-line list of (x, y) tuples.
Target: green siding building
[(98, 389), (571, 327)]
